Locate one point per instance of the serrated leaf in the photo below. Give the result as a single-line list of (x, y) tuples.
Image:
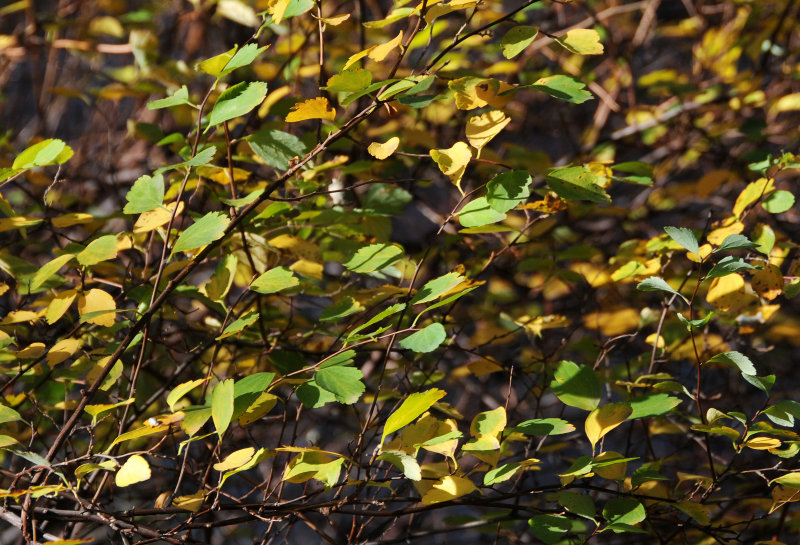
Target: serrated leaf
[(685, 237), (505, 191), (315, 108), (413, 407), (736, 242), (655, 283), (204, 231), (146, 194), (222, 405), (99, 250), (576, 182), (517, 39), (245, 56), (374, 257), (576, 386), (47, 152), (738, 360), (237, 101), (276, 148), (275, 280), (564, 88), (728, 265), (425, 340)]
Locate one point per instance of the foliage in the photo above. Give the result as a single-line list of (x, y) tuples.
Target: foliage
[(365, 272)]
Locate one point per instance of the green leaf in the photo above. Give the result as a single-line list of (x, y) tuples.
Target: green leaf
[(239, 324), (204, 231), (685, 237), (203, 157), (624, 511), (517, 39), (501, 473), (343, 381), (576, 386), (237, 101), (214, 65), (647, 472), (98, 250), (764, 384), (178, 98), (728, 265), (404, 462), (737, 359), (352, 97), (778, 202), (313, 396), (247, 390), (276, 148), (48, 270), (181, 390), (579, 504), (413, 407), (436, 287), (374, 257), (507, 190), (792, 480), (7, 414), (564, 88), (350, 81), (544, 426), (736, 242), (342, 308), (478, 212), (46, 152), (425, 340), (146, 194), (698, 323), (222, 405), (655, 283), (650, 405), (245, 56), (550, 528), (576, 182), (784, 412), (275, 280), (394, 309)]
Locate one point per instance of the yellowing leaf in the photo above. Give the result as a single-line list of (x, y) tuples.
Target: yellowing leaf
[(100, 249), (277, 9), (786, 103), (613, 472), (68, 220), (443, 8), (750, 194), (762, 443), (19, 316), (153, 219), (380, 52), (134, 470), (336, 20), (309, 269), (235, 459), (612, 323), (190, 502), (768, 282), (32, 351), (604, 419), (727, 293), (315, 108), (453, 161), (59, 305), (49, 269), (62, 350), (96, 300), (17, 222), (471, 93), (584, 41), (448, 488), (705, 251), (415, 405), (718, 235), (382, 151), (482, 128)]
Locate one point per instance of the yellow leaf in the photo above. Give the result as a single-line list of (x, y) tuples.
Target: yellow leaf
[(235, 459), (453, 161), (768, 282), (336, 20), (155, 218), (96, 300), (19, 316), (448, 488), (356, 57), (718, 235), (727, 293), (604, 419), (277, 9), (613, 472), (471, 93), (62, 350), (59, 305), (190, 502), (307, 268), (437, 10), (705, 251), (651, 340), (382, 151), (298, 247), (380, 52), (612, 323), (315, 108), (751, 193), (32, 351), (134, 470), (584, 41), (482, 128), (762, 443), (68, 220), (786, 103), (17, 222), (144, 431)]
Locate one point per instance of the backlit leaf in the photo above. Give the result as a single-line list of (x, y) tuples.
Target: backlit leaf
[(564, 88), (508, 189), (315, 108), (99, 250), (181, 390), (583, 41), (134, 470), (684, 237), (576, 386), (517, 39), (482, 128), (448, 488), (604, 419), (453, 161), (275, 280), (577, 183), (146, 194), (48, 270), (382, 151), (96, 301), (222, 406), (205, 230), (414, 406), (237, 101), (276, 148), (350, 81), (478, 212), (374, 257)]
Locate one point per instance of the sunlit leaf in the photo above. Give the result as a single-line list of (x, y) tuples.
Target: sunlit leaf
[(604, 419), (517, 39), (237, 101), (204, 231), (382, 151), (413, 407), (134, 470), (583, 41), (425, 340), (222, 405), (315, 108)]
